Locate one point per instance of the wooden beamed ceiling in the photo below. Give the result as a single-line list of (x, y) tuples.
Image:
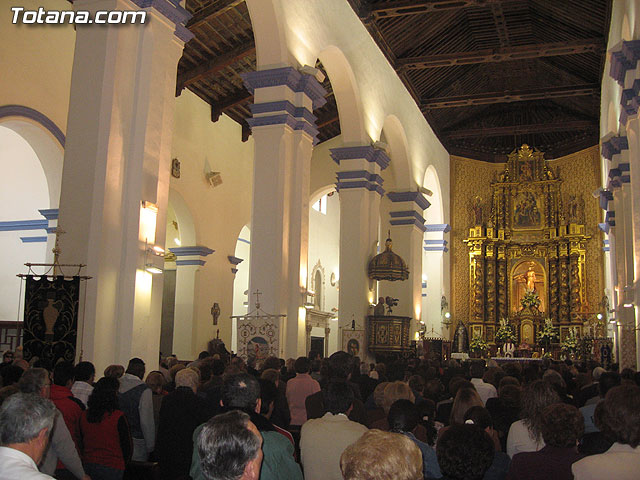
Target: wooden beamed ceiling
[(488, 75), (472, 65)]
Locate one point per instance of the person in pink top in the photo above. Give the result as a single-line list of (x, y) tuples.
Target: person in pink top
[(298, 389)]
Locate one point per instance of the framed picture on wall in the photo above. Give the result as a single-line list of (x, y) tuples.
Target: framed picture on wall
[(353, 342), (490, 334), (477, 331)]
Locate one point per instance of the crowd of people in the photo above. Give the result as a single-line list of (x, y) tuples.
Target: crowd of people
[(337, 418)]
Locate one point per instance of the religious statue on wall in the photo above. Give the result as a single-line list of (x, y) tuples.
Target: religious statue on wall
[(476, 210), (215, 312)]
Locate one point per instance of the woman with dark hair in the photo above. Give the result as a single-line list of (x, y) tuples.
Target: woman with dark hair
[(465, 452), (105, 433), (562, 426), (403, 418), (481, 417), (618, 417), (526, 435)]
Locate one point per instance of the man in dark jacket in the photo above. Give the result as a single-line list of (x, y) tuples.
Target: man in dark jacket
[(181, 412)]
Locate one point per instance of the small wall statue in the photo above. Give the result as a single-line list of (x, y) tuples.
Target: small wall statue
[(215, 312), (378, 310), (391, 302)]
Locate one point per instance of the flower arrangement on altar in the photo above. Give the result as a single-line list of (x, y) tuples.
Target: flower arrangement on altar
[(548, 334), (505, 334), (530, 299), (478, 345), (570, 344)]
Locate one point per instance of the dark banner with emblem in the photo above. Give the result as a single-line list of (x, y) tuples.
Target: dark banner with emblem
[(51, 318)]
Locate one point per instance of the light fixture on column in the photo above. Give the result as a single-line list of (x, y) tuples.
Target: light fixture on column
[(314, 72), (148, 216), (151, 268), (446, 321)]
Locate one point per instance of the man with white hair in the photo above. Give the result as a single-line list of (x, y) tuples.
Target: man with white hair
[(25, 423), (180, 413), (36, 381)]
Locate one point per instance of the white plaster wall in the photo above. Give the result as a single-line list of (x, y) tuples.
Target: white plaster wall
[(24, 191), (312, 26), (324, 246), (40, 59), (218, 213)]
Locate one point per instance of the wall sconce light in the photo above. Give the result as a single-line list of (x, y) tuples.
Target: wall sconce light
[(628, 305), (447, 319), (156, 250), (150, 206), (599, 316), (149, 267)]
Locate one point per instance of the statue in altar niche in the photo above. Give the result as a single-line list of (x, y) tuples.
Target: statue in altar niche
[(528, 277), (461, 339)]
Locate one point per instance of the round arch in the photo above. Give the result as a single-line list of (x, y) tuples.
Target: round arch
[(347, 95), (319, 193), (45, 138), (435, 212), (395, 136), (186, 228), (268, 32)]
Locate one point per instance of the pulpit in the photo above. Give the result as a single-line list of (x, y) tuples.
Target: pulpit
[(389, 334)]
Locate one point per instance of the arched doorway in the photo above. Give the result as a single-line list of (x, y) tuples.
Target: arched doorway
[(31, 162)]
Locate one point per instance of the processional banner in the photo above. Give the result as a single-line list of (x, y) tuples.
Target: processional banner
[(51, 318)]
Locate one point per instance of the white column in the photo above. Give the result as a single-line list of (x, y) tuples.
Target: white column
[(189, 259), (407, 233), (359, 188), (117, 156), (435, 248), (284, 131)]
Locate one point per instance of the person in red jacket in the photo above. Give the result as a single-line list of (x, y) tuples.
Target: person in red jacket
[(105, 433), (70, 407)]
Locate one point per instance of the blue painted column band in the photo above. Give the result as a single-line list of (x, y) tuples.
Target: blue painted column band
[(360, 167), (624, 60), (613, 146), (414, 204), (235, 261), (283, 112), (173, 12), (191, 255)]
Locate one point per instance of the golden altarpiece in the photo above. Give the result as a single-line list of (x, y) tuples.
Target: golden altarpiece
[(531, 242)]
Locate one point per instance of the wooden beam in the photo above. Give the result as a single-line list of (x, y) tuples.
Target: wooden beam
[(509, 96), (212, 11), (236, 98), (506, 130), (390, 9), (323, 122), (214, 65), (594, 45)]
